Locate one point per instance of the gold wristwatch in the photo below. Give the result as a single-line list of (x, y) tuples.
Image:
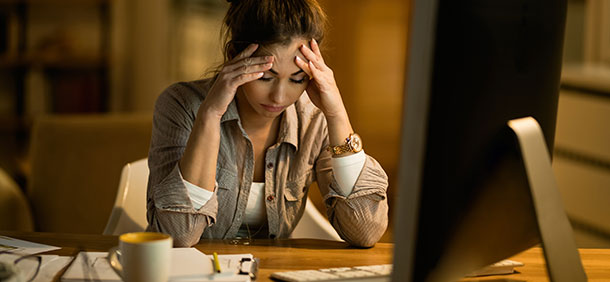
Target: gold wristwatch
[(353, 143)]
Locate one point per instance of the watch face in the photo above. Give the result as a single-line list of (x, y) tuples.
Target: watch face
[(355, 142)]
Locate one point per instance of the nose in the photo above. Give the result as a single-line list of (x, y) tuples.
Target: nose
[(278, 94)]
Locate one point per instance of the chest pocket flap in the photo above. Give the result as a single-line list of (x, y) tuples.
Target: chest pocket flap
[(226, 180), (295, 189)]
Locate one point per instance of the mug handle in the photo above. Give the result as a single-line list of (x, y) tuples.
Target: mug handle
[(113, 258)]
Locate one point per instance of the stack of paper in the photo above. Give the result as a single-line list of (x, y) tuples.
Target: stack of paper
[(188, 264), (233, 265), (15, 249), (49, 267), (20, 247)]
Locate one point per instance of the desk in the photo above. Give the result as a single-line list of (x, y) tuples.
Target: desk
[(294, 254)]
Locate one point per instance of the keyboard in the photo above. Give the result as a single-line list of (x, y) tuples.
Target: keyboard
[(375, 273), (502, 267), (372, 273)]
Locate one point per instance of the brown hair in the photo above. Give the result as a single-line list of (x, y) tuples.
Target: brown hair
[(268, 22)]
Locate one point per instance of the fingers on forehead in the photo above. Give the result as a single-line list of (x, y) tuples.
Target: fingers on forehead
[(256, 60), (302, 64), (307, 52), (315, 47), (247, 52)]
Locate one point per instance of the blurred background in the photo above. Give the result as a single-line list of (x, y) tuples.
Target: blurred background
[(91, 63)]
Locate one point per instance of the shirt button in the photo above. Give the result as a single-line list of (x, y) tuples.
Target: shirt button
[(270, 165), (270, 198), (272, 236)]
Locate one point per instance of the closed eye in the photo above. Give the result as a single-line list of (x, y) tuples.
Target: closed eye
[(265, 78), (302, 80)]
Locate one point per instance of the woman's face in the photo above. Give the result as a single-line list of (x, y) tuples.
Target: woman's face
[(280, 87)]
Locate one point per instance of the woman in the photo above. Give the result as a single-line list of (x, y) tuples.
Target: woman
[(234, 155)]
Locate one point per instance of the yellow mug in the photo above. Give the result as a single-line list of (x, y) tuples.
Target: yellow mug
[(142, 256)]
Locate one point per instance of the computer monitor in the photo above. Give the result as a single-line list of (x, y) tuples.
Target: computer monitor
[(464, 195)]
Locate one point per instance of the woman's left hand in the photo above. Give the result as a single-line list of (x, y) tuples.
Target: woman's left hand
[(322, 88)]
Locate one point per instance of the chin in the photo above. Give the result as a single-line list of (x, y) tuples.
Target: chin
[(268, 114)]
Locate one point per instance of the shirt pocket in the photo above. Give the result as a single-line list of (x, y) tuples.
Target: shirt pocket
[(228, 187), (296, 189), (295, 197)]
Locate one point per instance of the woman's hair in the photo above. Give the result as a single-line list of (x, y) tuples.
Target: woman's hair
[(268, 22)]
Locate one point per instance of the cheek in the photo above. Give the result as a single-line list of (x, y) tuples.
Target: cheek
[(255, 89), (296, 91)]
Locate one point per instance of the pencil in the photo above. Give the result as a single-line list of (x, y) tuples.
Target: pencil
[(216, 263)]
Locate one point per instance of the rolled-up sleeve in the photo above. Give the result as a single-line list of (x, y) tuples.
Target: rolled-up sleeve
[(361, 217), (169, 207)]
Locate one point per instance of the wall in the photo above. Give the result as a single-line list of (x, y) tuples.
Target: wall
[(581, 160), (140, 54), (366, 48)]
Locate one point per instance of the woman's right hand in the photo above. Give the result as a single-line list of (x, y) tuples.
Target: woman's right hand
[(236, 72)]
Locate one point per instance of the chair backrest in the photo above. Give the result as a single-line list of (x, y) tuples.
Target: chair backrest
[(15, 213), (314, 225), (129, 211), (76, 161)]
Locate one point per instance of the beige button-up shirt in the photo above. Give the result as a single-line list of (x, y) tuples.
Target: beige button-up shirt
[(297, 159)]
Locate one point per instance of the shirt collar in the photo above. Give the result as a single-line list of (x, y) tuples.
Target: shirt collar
[(288, 125)]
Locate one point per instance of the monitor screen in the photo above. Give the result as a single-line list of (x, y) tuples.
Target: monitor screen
[(463, 200)]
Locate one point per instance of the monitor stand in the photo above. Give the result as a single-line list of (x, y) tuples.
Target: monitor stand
[(560, 251)]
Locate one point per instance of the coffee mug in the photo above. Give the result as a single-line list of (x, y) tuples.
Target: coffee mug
[(142, 256)]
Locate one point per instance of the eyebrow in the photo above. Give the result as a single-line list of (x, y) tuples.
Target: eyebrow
[(275, 72)]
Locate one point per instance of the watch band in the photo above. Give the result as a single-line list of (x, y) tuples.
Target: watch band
[(353, 143), (340, 149)]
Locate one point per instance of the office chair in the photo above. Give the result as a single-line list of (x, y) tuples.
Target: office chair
[(314, 225), (129, 211), (15, 213)]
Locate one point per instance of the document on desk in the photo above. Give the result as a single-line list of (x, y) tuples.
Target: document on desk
[(20, 247), (50, 265), (236, 267), (188, 264)]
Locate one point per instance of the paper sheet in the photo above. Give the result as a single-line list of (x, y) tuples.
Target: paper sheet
[(232, 263), (16, 246), (49, 267), (188, 264)]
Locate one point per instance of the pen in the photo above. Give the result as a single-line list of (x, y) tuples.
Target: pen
[(216, 263)]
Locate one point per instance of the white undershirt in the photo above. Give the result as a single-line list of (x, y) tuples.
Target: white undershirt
[(256, 214), (346, 169)]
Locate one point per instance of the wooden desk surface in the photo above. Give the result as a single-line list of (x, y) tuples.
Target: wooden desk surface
[(295, 254)]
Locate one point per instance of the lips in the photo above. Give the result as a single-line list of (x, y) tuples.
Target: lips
[(273, 108)]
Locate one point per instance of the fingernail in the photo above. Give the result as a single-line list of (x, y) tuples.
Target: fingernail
[(260, 74), (298, 58)]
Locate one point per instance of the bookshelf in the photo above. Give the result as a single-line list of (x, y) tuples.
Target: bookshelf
[(53, 59)]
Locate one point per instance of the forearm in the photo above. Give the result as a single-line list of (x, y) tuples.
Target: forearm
[(183, 225), (339, 128), (185, 228), (361, 221), (198, 163), (360, 217)]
